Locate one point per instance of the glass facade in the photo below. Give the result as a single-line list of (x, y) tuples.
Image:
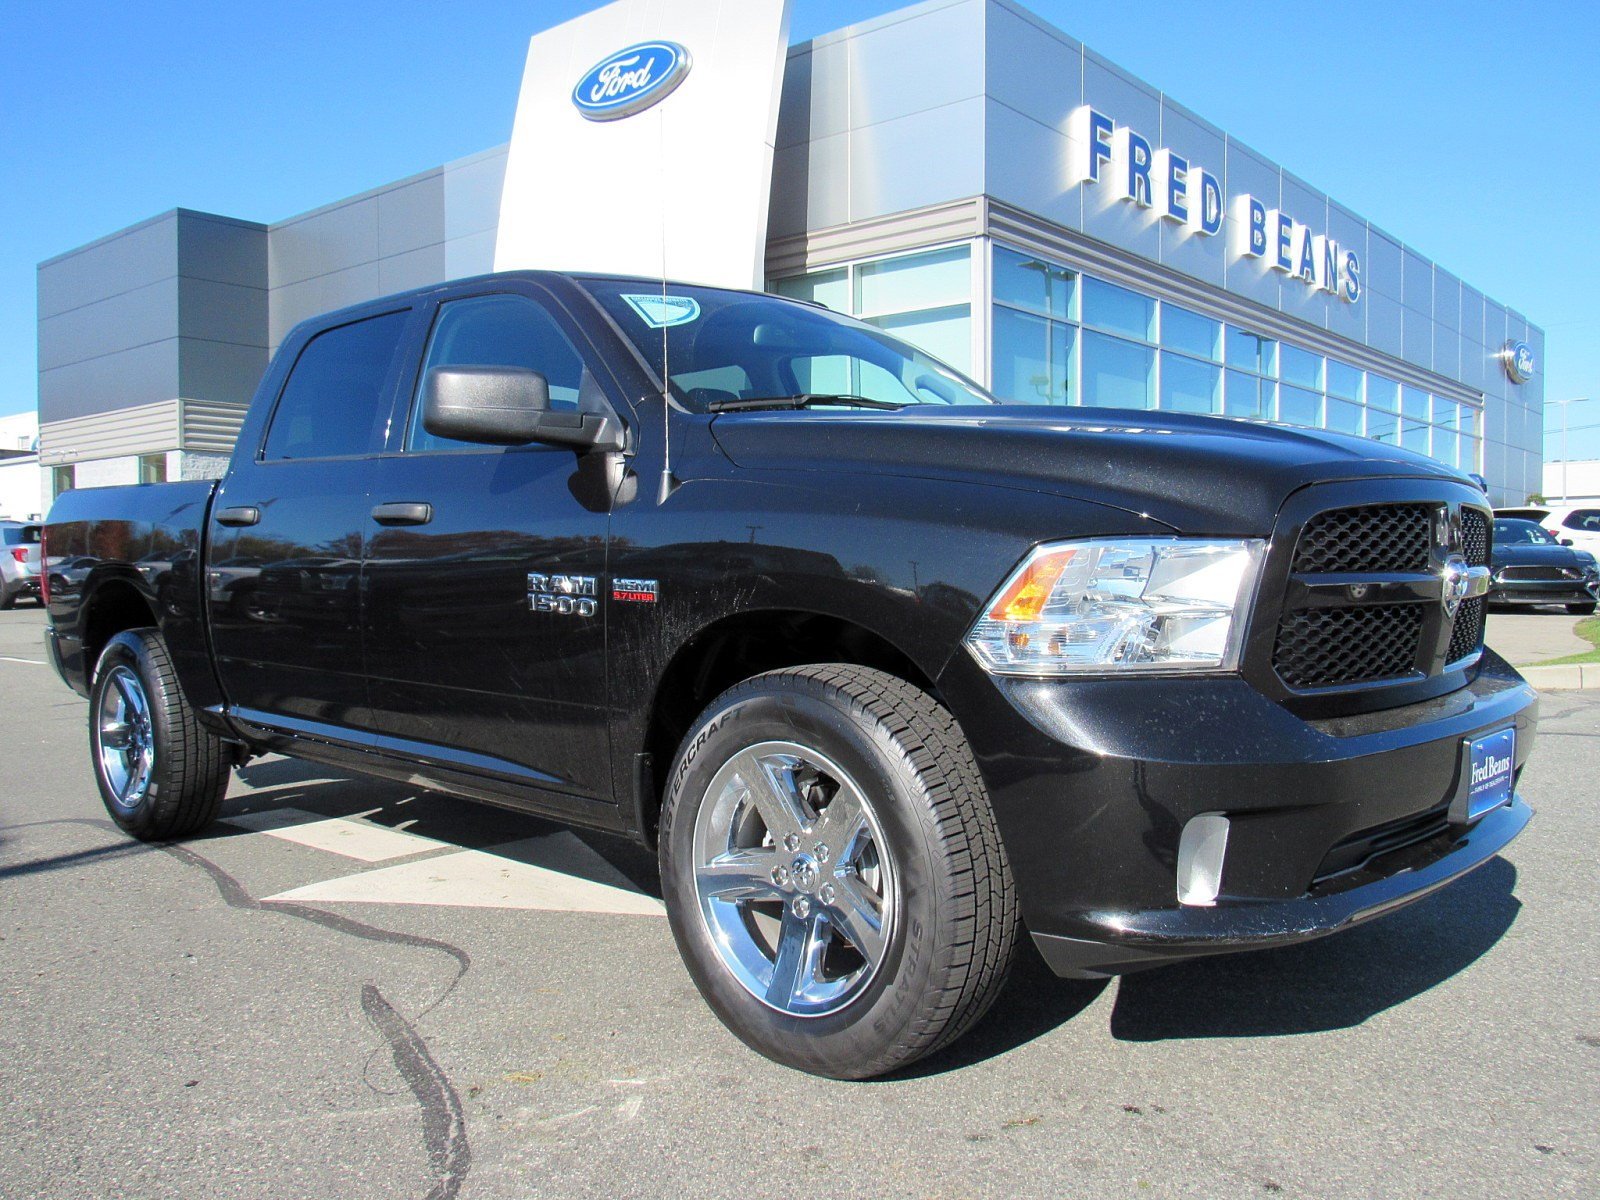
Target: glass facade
[(1060, 336)]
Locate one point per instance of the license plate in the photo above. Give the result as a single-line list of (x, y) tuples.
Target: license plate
[(1491, 764)]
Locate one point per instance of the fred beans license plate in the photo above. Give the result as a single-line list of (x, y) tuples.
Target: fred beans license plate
[(1490, 766)]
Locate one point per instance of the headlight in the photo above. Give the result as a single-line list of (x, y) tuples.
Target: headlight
[(1106, 607)]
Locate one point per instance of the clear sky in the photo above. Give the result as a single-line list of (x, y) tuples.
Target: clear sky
[(1467, 130)]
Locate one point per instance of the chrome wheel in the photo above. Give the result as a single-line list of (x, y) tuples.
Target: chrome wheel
[(125, 737), (794, 877)]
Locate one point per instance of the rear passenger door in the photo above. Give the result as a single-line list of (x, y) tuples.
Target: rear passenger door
[(287, 534), (485, 584)]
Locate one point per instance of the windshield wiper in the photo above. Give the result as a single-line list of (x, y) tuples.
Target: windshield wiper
[(802, 400)]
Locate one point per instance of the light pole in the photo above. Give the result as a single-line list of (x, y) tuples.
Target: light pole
[(1562, 405)]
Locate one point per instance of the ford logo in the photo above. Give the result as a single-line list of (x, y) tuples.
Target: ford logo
[(1518, 357), (631, 80)]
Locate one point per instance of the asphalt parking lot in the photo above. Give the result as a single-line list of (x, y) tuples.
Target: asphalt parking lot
[(350, 990)]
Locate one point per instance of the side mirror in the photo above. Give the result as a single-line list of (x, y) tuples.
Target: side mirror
[(507, 406), (1568, 542)]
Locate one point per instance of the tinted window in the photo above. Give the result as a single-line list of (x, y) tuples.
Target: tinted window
[(499, 331), (335, 401), (1586, 519), (20, 535)]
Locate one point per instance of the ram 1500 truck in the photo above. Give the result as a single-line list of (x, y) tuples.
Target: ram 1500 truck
[(888, 671)]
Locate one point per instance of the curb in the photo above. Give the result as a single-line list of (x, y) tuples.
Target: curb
[(1566, 677)]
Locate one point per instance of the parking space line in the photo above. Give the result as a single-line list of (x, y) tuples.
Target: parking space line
[(356, 839), (479, 879), (38, 662)]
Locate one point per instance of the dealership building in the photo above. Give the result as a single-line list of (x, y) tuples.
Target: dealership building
[(959, 173)]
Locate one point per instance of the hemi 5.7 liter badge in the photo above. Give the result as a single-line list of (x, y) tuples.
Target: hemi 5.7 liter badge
[(634, 591)]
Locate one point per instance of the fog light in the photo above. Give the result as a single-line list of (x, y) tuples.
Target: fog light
[(1200, 854)]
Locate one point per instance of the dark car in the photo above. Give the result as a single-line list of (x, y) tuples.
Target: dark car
[(1530, 566), (891, 674)]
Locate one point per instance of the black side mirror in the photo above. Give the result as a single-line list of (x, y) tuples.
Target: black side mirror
[(507, 406), (1568, 542)]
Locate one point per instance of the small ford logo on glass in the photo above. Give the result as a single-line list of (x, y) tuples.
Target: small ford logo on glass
[(631, 80)]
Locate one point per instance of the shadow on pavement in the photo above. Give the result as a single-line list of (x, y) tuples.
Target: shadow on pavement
[(1333, 983), (278, 783)]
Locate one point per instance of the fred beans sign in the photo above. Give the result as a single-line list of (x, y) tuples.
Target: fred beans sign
[(1119, 158)]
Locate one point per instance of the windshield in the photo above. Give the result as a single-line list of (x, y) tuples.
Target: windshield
[(723, 347), (1519, 533)]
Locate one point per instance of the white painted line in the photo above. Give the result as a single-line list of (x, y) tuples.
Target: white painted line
[(38, 662), (360, 840), (478, 879)]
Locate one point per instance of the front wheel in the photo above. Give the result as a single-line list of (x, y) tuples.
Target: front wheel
[(1581, 610), (162, 775), (832, 870)]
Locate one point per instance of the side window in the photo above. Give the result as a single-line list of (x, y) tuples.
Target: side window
[(1585, 519), (499, 331), (334, 402)]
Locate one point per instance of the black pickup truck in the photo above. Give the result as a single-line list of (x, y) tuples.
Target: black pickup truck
[(887, 670)]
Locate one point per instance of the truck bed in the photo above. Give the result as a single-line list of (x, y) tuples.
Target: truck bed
[(135, 545)]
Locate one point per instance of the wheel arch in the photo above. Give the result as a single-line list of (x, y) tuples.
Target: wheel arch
[(115, 605), (734, 648)]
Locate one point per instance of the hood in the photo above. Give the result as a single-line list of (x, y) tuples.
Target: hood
[(1536, 554), (1195, 474)]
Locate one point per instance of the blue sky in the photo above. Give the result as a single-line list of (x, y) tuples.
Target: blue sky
[(1466, 130)]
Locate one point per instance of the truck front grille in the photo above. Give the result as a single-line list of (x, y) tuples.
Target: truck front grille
[(1387, 537), (1466, 635), (1387, 623), (1326, 647)]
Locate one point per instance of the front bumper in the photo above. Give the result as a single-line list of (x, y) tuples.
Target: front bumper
[(1544, 591), (1333, 821)]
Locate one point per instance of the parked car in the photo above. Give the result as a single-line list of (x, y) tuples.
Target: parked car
[(19, 562), (1529, 565), (1574, 525), (888, 672)]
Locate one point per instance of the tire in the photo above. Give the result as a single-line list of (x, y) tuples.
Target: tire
[(903, 907), (1581, 610), (161, 774), (8, 598)]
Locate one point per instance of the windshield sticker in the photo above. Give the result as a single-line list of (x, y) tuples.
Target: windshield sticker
[(663, 312)]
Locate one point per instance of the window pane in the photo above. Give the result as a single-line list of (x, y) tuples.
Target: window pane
[(1189, 332), (1343, 381), (933, 280), (1033, 283), (831, 288), (1414, 403), (1300, 367), (1444, 446), (1414, 436), (1116, 374), (1469, 422), (1252, 352), (1298, 406), (1189, 386), (1342, 416), (1032, 358), (1446, 412), (1383, 426), (152, 468), (1383, 393), (1244, 396), (945, 333), (334, 402), (1117, 309), (500, 331)]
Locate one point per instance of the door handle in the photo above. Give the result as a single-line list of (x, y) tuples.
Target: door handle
[(243, 514), (403, 513)]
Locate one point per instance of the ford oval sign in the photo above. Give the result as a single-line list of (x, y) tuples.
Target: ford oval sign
[(1518, 357), (631, 80)]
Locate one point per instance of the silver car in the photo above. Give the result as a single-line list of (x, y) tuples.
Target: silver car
[(19, 562)]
